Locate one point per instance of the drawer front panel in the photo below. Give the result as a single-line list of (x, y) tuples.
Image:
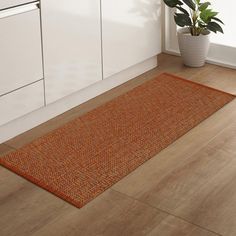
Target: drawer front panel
[(21, 102), (20, 51)]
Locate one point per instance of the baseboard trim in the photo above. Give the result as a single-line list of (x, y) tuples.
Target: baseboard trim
[(210, 59), (35, 118)]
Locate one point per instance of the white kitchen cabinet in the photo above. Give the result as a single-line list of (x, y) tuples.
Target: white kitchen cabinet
[(20, 47), (131, 33), (11, 3), (21, 102), (72, 46)]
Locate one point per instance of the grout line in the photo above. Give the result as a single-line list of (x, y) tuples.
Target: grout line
[(166, 212), (10, 146)]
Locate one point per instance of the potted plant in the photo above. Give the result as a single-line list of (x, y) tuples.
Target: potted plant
[(197, 20)]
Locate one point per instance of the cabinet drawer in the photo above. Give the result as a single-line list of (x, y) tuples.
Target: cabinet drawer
[(11, 3), (20, 49), (21, 102)]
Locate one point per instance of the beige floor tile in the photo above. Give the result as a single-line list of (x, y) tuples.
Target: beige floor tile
[(24, 207), (172, 226), (111, 214)]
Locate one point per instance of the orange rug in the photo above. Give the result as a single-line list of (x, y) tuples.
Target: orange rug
[(81, 159)]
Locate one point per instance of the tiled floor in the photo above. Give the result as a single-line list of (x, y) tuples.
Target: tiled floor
[(187, 189)]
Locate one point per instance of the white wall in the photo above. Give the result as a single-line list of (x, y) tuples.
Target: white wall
[(226, 11)]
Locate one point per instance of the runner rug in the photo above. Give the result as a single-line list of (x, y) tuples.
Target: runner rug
[(86, 156)]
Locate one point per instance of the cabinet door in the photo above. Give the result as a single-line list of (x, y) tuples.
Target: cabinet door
[(72, 46), (131, 33), (20, 48)]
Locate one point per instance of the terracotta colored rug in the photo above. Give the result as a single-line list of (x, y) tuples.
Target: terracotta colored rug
[(81, 159)]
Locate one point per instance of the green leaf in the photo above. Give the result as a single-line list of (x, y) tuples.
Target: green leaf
[(215, 27), (180, 3), (202, 25), (207, 14), (204, 6), (183, 10), (190, 4), (182, 19), (217, 19), (172, 3)]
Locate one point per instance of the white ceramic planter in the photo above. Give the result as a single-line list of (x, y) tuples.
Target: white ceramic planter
[(193, 49)]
